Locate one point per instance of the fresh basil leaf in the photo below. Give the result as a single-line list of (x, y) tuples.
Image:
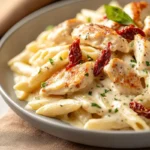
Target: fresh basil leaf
[(118, 15)]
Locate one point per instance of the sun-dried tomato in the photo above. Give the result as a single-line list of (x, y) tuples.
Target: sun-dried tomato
[(128, 32), (140, 109), (102, 60), (75, 55)]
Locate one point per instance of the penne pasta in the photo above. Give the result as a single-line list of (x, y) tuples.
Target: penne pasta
[(92, 71), (62, 107)]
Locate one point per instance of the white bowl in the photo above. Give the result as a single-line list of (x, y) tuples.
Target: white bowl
[(14, 42)]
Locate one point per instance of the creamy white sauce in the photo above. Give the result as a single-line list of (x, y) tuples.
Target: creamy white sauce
[(101, 99), (104, 94)]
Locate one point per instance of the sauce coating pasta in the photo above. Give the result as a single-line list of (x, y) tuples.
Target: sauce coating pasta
[(91, 71)]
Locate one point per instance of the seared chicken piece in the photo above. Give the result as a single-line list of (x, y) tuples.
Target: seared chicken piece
[(124, 77), (110, 24), (61, 34), (142, 52), (147, 26), (98, 36), (69, 81), (137, 11)]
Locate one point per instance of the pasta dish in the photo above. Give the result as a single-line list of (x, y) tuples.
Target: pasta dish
[(92, 71)]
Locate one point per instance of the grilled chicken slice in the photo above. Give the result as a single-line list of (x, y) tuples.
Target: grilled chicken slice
[(110, 24), (61, 34), (124, 77), (147, 26), (98, 36), (69, 81), (137, 11), (142, 52)]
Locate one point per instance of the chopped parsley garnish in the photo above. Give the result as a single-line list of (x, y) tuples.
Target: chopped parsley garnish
[(147, 63), (116, 110), (39, 71), (116, 99), (145, 71), (51, 61), (131, 44), (89, 58), (86, 36), (89, 19), (97, 86), (50, 27), (106, 91), (133, 61), (147, 85), (141, 100), (43, 84), (60, 58), (109, 110), (95, 105), (90, 92), (132, 65), (103, 95), (37, 97), (87, 74)]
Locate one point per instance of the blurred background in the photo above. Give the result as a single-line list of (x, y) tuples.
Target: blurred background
[(13, 10)]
